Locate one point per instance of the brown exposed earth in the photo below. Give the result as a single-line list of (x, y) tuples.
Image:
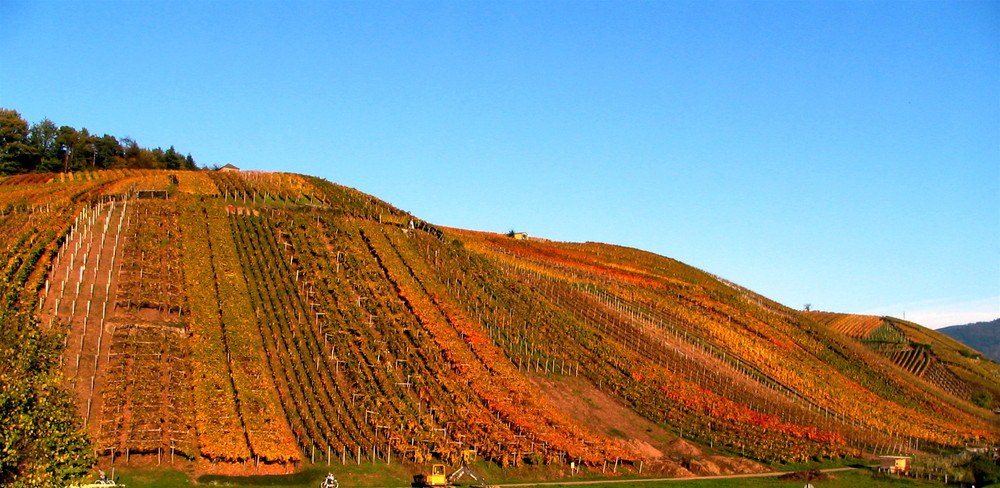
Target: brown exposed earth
[(662, 452)]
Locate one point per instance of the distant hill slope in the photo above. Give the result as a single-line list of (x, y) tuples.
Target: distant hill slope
[(253, 321), (981, 336)]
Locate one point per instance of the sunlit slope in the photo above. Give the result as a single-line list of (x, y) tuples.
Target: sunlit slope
[(701, 351), (255, 319), (937, 360), (250, 320)]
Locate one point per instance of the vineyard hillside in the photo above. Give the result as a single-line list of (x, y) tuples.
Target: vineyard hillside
[(255, 322)]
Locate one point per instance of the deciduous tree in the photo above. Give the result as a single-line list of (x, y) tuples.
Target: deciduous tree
[(41, 443), (42, 137), (15, 153)]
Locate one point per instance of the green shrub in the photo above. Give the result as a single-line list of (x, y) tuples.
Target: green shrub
[(982, 399)]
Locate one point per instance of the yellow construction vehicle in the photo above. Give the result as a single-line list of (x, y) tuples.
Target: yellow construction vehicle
[(439, 479)]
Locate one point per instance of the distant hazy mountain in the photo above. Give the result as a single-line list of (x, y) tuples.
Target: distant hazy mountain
[(981, 336)]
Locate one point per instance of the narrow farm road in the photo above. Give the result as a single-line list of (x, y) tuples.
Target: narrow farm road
[(651, 480)]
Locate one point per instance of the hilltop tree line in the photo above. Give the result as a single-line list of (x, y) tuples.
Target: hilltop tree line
[(43, 147)]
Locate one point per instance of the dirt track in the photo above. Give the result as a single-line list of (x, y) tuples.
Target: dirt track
[(650, 480)]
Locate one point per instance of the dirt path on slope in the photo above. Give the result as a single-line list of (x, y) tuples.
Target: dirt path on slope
[(665, 453), (600, 412), (80, 296), (654, 480)]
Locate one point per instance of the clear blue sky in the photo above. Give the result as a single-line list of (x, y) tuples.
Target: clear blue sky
[(844, 154)]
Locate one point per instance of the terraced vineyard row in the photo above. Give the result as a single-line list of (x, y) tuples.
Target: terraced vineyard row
[(613, 320), (435, 409), (888, 337), (238, 396), (533, 334), (348, 368), (705, 382), (146, 398), (313, 395), (911, 359), (938, 374), (886, 333), (253, 322), (221, 433), (146, 401), (456, 361), (151, 272), (43, 420), (854, 419), (251, 186), (527, 413), (28, 236), (80, 295), (856, 326)]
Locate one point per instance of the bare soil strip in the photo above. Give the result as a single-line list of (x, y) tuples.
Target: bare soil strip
[(651, 480)]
